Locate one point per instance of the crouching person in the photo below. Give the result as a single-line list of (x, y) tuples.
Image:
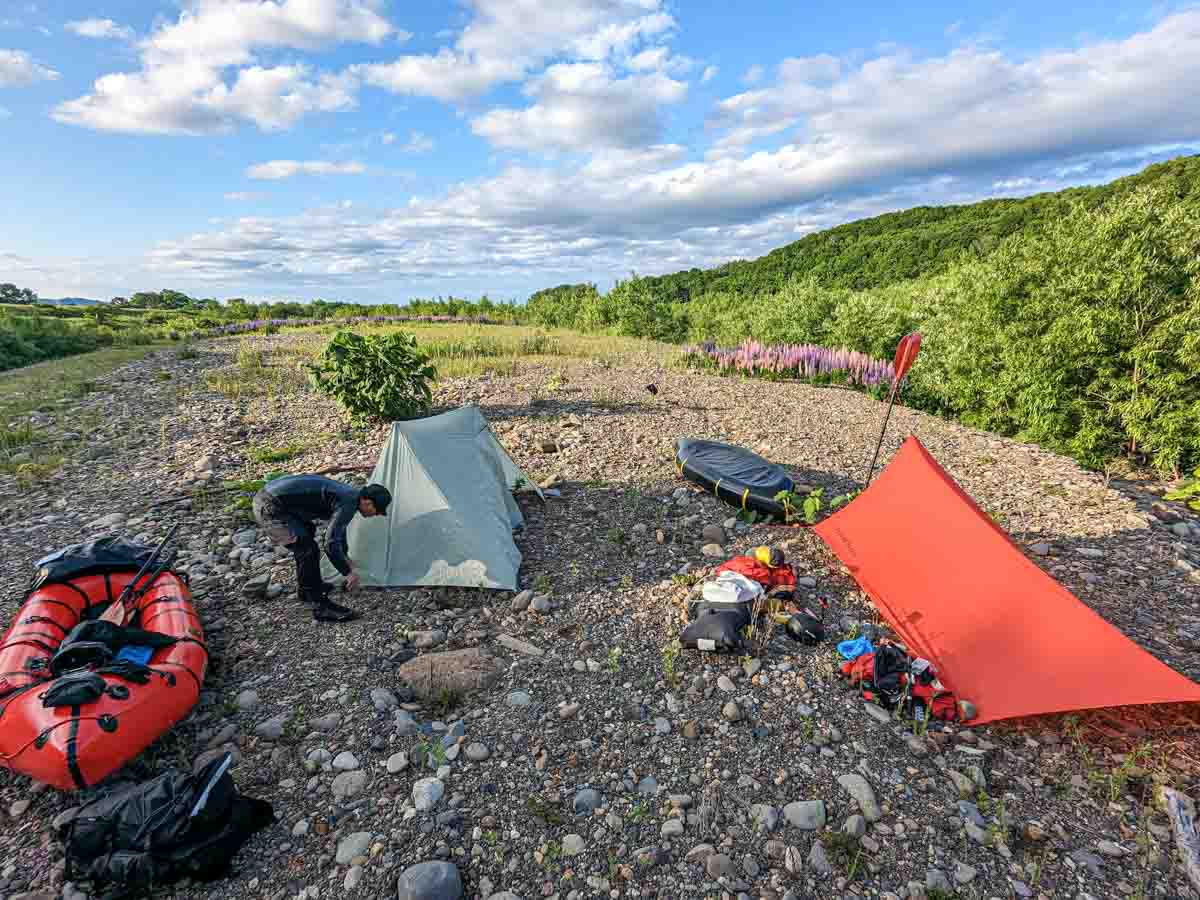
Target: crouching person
[(288, 509)]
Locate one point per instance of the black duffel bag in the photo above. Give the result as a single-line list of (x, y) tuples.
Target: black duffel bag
[(137, 836)]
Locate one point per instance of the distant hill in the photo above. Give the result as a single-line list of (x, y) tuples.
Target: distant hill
[(905, 245), (71, 301)]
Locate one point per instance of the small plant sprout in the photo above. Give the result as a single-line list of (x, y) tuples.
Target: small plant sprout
[(614, 659)]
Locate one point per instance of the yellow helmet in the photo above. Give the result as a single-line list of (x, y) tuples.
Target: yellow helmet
[(769, 556)]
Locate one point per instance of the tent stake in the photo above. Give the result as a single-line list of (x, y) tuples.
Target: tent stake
[(906, 353)]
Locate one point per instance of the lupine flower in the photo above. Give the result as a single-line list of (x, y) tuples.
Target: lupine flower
[(802, 361)]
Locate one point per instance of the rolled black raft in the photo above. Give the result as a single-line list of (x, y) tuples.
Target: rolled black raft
[(739, 477)]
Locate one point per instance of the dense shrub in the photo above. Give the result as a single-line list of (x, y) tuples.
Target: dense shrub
[(376, 377)]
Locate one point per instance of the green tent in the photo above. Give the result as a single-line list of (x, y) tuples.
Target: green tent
[(452, 515)]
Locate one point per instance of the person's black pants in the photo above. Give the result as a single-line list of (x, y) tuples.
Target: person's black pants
[(296, 535)]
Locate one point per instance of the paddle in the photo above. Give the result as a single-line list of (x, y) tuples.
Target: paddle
[(118, 612), (906, 354)]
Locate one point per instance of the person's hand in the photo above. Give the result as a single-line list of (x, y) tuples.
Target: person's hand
[(352, 581)]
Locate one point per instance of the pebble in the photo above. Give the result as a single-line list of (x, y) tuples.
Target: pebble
[(1108, 848), (648, 786), (964, 874), (817, 860), (716, 551), (878, 713), (572, 845), (351, 846), (19, 808), (271, 729), (353, 878), (936, 880), (858, 788), (587, 801), (672, 828), (431, 881), (247, 700), (764, 817), (856, 826), (521, 601), (568, 711), (397, 763), (726, 685), (715, 534), (732, 712), (384, 700), (540, 604), (427, 639), (807, 815), (518, 699), (348, 784), (326, 723), (426, 793), (963, 785), (477, 752), (718, 865), (970, 813), (345, 761)]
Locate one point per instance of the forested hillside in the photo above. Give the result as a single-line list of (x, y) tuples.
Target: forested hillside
[(921, 241), (1069, 319)]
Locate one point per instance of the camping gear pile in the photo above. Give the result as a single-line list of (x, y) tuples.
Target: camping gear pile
[(105, 654), (894, 679), (743, 591), (135, 837)]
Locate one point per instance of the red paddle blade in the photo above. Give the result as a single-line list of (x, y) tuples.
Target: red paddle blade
[(906, 354)]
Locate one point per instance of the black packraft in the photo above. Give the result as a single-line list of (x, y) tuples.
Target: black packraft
[(137, 836)]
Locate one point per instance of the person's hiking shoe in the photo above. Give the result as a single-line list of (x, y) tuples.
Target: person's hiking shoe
[(328, 611)]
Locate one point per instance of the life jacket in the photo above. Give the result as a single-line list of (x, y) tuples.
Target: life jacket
[(769, 577)]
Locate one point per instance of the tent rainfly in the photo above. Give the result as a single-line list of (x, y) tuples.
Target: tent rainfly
[(452, 515), (959, 592)]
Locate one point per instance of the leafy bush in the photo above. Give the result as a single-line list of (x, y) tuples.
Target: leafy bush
[(377, 377)]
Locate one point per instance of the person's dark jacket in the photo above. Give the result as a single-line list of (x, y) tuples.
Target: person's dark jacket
[(312, 497)]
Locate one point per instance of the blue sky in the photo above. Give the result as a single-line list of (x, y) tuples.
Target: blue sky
[(364, 150)]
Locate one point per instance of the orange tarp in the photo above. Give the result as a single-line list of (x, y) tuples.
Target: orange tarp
[(956, 589)]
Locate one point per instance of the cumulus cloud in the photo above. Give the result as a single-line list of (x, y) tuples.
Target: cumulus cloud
[(864, 137), (753, 75), (418, 142), (710, 72), (183, 86), (17, 68), (287, 168), (583, 106), (100, 29), (506, 39)]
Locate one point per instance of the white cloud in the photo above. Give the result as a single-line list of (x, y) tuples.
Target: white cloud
[(418, 143), (506, 39), (387, 138), (287, 168), (754, 74), (100, 29), (242, 196), (583, 106), (710, 72), (183, 87), (866, 137), (17, 69)]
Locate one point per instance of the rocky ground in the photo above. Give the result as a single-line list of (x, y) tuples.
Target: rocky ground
[(596, 759)]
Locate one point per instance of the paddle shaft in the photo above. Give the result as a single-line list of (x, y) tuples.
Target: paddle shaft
[(117, 613), (883, 430)]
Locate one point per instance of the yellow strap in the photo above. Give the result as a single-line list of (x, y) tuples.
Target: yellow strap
[(745, 494), (679, 463), (717, 488)]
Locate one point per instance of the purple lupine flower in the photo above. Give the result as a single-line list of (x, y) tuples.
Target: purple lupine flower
[(801, 361)]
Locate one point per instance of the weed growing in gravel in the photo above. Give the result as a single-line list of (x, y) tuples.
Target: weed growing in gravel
[(446, 701), (933, 893), (639, 811), (670, 653), (616, 535), (627, 581), (614, 659), (689, 580), (543, 585), (277, 454), (606, 398), (551, 854)]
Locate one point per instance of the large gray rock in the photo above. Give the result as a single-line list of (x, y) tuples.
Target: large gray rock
[(348, 784), (426, 793), (430, 881), (455, 671), (271, 729)]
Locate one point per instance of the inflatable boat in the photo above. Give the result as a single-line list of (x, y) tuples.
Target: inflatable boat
[(737, 476), (79, 697)]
